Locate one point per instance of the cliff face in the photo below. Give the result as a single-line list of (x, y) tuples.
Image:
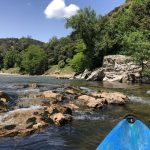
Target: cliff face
[(116, 68), (121, 68)]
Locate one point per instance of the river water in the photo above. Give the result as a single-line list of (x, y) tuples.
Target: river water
[(88, 129)]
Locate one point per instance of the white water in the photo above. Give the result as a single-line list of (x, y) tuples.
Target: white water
[(139, 100)]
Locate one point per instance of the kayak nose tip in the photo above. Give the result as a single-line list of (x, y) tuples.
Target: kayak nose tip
[(131, 119)]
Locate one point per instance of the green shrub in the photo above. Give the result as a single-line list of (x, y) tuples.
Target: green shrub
[(78, 62)]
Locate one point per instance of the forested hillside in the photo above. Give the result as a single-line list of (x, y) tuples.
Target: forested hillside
[(125, 30)]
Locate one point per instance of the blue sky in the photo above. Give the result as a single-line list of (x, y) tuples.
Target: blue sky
[(20, 18)]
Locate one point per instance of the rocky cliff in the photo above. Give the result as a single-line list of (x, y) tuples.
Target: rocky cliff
[(118, 68)]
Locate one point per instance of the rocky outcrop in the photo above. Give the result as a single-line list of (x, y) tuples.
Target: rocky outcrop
[(101, 99), (121, 68), (29, 120), (55, 107), (116, 68)]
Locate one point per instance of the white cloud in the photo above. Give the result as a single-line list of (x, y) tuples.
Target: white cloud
[(58, 9)]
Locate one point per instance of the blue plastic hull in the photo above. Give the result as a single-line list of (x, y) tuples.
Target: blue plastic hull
[(127, 136)]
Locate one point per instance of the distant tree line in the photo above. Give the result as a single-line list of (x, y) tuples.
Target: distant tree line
[(125, 30)]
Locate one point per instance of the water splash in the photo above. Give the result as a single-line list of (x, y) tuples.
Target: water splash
[(139, 100)]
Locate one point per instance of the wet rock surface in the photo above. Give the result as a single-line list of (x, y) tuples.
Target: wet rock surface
[(52, 107)]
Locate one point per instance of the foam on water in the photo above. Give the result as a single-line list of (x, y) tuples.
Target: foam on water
[(89, 116), (139, 100)]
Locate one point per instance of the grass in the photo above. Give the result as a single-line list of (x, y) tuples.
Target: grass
[(11, 71), (55, 70)]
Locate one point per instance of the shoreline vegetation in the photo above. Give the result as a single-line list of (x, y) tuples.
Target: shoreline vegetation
[(123, 31)]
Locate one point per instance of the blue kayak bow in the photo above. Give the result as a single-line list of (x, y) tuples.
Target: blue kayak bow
[(129, 134)]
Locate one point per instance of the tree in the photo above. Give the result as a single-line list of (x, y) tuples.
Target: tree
[(137, 44), (9, 60), (84, 24), (34, 60)]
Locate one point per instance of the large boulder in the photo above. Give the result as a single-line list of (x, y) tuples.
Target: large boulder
[(98, 100), (96, 75), (92, 102)]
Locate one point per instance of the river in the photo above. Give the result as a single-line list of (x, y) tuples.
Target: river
[(88, 129)]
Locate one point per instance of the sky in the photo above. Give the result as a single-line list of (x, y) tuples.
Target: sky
[(43, 19)]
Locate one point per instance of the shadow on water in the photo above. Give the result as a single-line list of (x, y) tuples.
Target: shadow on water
[(88, 129)]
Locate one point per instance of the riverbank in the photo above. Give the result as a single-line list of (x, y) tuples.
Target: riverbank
[(60, 73)]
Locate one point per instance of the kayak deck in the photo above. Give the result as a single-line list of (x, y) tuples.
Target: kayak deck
[(129, 134)]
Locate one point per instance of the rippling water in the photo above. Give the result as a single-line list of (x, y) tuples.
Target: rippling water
[(88, 129)]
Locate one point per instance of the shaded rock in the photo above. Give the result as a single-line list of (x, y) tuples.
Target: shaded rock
[(85, 74), (61, 119), (145, 79), (4, 96), (10, 127), (3, 107), (96, 75), (78, 76)]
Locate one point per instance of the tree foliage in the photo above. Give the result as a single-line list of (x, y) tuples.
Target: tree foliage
[(34, 60)]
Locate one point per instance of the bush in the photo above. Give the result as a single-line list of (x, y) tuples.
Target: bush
[(78, 62), (34, 60)]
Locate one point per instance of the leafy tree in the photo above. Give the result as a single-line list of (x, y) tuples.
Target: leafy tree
[(137, 44), (34, 60), (84, 24), (9, 60)]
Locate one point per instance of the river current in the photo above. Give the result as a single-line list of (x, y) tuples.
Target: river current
[(87, 129)]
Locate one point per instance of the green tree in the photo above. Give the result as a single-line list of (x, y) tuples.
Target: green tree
[(9, 60), (84, 25), (34, 60), (137, 44)]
